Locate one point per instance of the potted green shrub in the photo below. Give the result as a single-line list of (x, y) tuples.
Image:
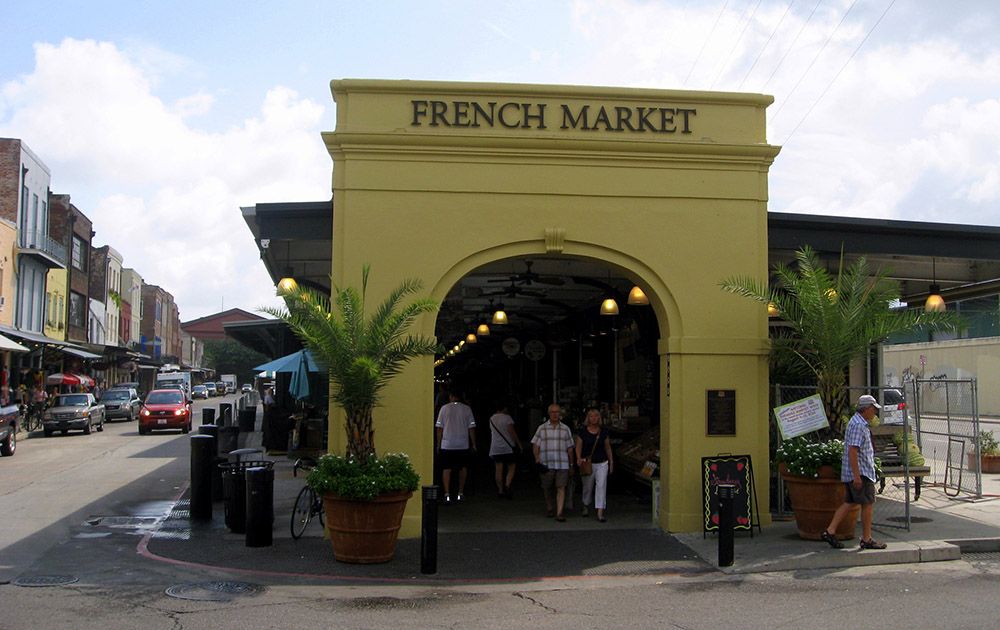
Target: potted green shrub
[(989, 454), (811, 472), (364, 495), (830, 321)]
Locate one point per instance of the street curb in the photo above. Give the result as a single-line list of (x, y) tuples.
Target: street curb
[(976, 545)]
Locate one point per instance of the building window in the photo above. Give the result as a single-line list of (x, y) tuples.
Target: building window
[(77, 310), (61, 315), (79, 254), (49, 302)]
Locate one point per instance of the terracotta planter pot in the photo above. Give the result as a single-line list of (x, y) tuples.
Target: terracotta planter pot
[(990, 463), (364, 532), (814, 501)]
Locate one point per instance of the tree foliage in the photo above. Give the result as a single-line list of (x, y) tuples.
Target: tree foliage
[(228, 356), (833, 319), (361, 352)]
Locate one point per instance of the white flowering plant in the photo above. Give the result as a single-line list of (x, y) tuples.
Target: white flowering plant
[(803, 457), (351, 478)]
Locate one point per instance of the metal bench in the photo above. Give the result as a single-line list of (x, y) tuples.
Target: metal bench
[(892, 462)]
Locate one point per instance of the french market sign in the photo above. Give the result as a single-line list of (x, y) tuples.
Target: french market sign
[(516, 115)]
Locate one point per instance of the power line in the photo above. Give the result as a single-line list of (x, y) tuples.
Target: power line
[(792, 45), (834, 79), (736, 43), (788, 96), (705, 42), (764, 47)]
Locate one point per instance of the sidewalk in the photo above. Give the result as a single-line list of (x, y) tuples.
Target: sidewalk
[(490, 540)]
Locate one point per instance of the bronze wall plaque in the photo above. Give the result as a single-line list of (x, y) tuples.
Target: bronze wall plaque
[(721, 411)]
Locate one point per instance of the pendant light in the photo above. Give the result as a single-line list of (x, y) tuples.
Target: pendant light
[(499, 317), (935, 303), (609, 307), (471, 338), (636, 297), (772, 309), (483, 330), (287, 283)]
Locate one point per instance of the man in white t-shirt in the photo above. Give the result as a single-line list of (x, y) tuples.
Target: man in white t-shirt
[(456, 436)]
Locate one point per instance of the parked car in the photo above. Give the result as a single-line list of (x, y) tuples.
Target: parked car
[(8, 430), (199, 391), (246, 388), (73, 411), (894, 409), (212, 389), (121, 403), (165, 409), (130, 385)]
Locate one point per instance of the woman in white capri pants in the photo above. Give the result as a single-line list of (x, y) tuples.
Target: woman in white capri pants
[(594, 447)]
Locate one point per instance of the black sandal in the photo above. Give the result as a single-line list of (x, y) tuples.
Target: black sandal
[(871, 543), (832, 540)]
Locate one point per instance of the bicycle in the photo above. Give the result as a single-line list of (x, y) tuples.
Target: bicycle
[(307, 504), (30, 417)]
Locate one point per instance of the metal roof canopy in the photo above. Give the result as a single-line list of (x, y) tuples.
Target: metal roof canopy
[(963, 259), (270, 337)]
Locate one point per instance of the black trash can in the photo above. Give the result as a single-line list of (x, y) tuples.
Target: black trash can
[(235, 493), (247, 420), (260, 506), (207, 415)]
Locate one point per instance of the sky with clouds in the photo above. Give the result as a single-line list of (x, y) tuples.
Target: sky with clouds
[(161, 119)]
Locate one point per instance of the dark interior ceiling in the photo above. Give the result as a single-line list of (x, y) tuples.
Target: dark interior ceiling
[(543, 290)]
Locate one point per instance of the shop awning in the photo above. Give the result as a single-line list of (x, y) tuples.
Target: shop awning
[(69, 378), (83, 354), (11, 346), (30, 336)]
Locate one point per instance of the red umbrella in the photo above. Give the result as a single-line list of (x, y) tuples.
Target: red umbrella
[(68, 378)]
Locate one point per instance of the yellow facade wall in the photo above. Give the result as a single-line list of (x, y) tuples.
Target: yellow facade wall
[(56, 303), (674, 212), (8, 237)]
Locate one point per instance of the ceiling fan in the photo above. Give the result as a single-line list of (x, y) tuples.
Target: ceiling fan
[(514, 290), (529, 277)]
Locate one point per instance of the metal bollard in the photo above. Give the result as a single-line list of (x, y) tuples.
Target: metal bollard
[(226, 414), (429, 530), (228, 439), (202, 456), (727, 522), (207, 415), (212, 430), (246, 420), (260, 506)]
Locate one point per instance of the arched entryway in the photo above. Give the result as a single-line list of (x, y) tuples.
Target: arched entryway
[(665, 189), (555, 343)]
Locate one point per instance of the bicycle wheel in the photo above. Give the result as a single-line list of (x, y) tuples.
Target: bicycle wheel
[(302, 512), (318, 510)]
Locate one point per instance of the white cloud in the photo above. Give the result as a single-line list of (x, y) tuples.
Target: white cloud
[(159, 190)]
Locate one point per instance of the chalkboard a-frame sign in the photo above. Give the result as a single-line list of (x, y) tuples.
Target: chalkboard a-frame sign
[(730, 469)]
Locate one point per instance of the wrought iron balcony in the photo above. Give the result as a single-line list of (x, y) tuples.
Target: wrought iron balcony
[(37, 243)]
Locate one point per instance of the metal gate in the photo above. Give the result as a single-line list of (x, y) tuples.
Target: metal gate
[(946, 413)]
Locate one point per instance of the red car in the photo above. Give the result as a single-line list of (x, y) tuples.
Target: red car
[(165, 409)]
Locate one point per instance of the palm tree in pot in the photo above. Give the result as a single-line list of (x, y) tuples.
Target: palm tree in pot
[(362, 353), (833, 320)]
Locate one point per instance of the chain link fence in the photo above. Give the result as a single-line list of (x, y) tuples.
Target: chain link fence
[(947, 430)]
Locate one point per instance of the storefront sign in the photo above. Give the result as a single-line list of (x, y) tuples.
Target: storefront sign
[(515, 115), (801, 417), (736, 470)]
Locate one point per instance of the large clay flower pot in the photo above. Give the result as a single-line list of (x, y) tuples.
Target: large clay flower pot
[(990, 464), (364, 532), (814, 500)]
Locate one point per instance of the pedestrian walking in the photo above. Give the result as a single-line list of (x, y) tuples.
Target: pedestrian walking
[(595, 462), (857, 471), (553, 448), (504, 449), (455, 430)]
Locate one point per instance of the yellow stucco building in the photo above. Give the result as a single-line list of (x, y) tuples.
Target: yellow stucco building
[(666, 188)]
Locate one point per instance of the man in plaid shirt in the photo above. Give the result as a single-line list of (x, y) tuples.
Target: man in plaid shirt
[(554, 449), (857, 471)]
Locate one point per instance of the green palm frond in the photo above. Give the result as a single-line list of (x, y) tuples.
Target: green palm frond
[(832, 318), (361, 353)]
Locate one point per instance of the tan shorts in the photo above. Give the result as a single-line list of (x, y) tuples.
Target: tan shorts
[(554, 478)]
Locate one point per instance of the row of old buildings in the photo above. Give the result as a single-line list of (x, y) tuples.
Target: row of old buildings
[(70, 307)]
